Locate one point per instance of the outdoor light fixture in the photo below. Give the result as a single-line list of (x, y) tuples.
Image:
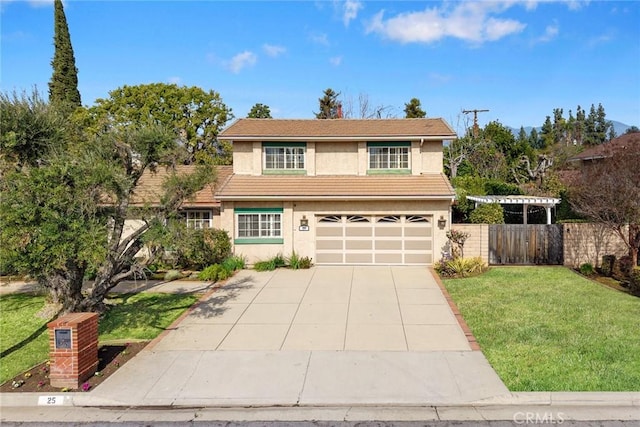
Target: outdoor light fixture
[(442, 223)]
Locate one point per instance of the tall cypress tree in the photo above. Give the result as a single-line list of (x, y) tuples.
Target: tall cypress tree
[(63, 86)]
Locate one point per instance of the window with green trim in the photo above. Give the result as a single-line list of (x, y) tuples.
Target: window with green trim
[(388, 155), (277, 156), (259, 224)]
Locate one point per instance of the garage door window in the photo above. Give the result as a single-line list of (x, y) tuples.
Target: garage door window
[(389, 157), (258, 226)]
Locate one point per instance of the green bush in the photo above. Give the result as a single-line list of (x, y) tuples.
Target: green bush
[(234, 263), (173, 275), (211, 273), (634, 280), (201, 247), (461, 267), (622, 268), (607, 265), (294, 261), (488, 213), (268, 265), (587, 269), (306, 262)]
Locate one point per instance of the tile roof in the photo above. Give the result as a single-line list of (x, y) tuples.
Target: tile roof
[(604, 150), (331, 129), (320, 187), (149, 187)]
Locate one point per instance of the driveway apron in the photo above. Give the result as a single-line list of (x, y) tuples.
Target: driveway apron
[(329, 335)]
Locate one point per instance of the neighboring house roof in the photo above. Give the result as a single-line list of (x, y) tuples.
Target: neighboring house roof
[(604, 150), (342, 187), (337, 129), (149, 189)]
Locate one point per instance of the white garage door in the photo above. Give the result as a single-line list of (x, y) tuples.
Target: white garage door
[(374, 239)]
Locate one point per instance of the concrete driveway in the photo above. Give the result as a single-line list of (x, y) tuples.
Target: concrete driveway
[(323, 336)]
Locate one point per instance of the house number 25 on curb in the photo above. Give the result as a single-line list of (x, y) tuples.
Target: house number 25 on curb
[(50, 400)]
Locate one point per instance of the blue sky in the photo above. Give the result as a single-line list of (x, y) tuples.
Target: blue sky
[(519, 59)]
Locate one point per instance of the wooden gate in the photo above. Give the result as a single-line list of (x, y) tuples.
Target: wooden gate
[(525, 244)]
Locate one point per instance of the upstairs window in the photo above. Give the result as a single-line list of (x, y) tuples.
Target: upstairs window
[(389, 156), (284, 157)]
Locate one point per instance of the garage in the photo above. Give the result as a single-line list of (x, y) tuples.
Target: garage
[(400, 239)]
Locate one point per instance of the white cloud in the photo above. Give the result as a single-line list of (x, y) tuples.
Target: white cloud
[(320, 39), (437, 78), (175, 80), (242, 60), (350, 11), (475, 22), (335, 61), (550, 33), (273, 50)]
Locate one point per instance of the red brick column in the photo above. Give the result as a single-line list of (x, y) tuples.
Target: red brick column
[(70, 367)]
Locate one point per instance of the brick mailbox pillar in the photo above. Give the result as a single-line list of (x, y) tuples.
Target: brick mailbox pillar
[(73, 349)]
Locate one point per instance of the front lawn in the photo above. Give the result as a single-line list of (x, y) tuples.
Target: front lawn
[(549, 329), (24, 340)]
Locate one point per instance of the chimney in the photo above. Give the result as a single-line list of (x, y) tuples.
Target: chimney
[(339, 113)]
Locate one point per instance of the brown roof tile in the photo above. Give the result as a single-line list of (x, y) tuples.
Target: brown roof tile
[(268, 187), (149, 187), (354, 129)]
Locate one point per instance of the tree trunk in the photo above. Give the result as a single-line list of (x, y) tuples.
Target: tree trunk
[(634, 243), (65, 287)]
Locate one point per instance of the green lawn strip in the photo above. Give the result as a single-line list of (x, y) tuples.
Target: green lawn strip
[(136, 317), (548, 329)]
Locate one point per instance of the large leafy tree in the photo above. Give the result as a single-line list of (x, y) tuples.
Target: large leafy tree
[(64, 214), (63, 86), (328, 105), (260, 111), (194, 115), (413, 109), (608, 193)]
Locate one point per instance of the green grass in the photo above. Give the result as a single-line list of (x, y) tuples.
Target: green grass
[(548, 329), (24, 336)]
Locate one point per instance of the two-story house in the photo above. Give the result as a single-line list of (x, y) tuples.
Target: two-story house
[(339, 191)]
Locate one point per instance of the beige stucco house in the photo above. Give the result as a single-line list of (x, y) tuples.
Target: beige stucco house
[(339, 191)]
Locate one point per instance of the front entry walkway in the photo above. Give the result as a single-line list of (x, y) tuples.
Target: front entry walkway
[(324, 336)]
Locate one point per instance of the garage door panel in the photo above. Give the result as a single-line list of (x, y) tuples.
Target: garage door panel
[(358, 244), (329, 258), (329, 244), (390, 258), (329, 231), (358, 231), (422, 231), (417, 245), (418, 258), (389, 244), (359, 258), (387, 231)]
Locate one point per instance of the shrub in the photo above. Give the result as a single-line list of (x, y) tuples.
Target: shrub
[(306, 262), (172, 275), (622, 268), (279, 261), (457, 238), (267, 265), (607, 265), (201, 247), (294, 261), (234, 263), (634, 280), (460, 267), (587, 269), (210, 273), (488, 213)]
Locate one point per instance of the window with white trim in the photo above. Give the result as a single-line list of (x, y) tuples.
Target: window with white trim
[(199, 219), (257, 225), (283, 156), (388, 156)]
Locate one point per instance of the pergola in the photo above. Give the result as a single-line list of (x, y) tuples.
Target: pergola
[(546, 202)]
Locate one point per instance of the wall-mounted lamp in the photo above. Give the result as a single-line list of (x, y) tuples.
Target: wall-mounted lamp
[(442, 223), (304, 223)]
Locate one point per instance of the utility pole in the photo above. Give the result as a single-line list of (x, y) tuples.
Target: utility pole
[(475, 120)]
